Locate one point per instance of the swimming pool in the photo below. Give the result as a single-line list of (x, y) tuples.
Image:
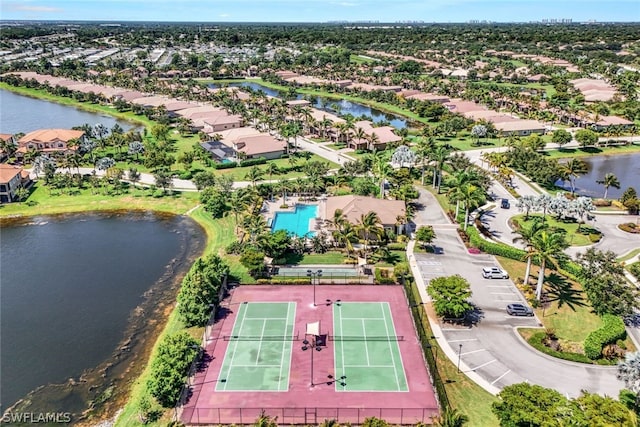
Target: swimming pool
[(296, 222)]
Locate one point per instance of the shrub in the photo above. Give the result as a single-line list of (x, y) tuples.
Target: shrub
[(396, 246), (635, 269), (629, 227), (601, 202), (494, 248), (234, 248), (536, 341), (384, 277), (185, 175), (618, 205), (226, 165), (595, 237), (612, 330), (253, 162), (285, 281), (170, 367)]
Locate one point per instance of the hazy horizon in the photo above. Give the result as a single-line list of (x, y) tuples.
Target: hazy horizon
[(320, 11)]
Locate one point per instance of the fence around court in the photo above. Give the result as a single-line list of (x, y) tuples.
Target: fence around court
[(308, 416), (328, 278), (420, 320)]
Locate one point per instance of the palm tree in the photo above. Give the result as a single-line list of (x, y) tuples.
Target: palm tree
[(526, 235), (572, 170), (238, 202), (254, 175), (284, 186), (470, 196), (546, 246), (369, 226), (439, 158), (451, 418), (609, 180), (346, 237), (456, 183), (381, 170), (338, 221), (424, 148), (270, 170)]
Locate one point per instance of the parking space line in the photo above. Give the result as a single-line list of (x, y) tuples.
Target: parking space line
[(468, 339), (500, 377), (484, 364), (474, 351), (502, 293)]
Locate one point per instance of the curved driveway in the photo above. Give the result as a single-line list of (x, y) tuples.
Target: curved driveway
[(491, 352)]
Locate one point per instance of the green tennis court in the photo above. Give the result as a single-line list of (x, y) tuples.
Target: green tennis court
[(366, 348), (258, 356)]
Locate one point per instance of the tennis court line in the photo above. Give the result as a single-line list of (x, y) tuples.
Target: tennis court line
[(242, 310), (366, 345), (404, 374), (287, 325), (264, 325), (341, 348), (393, 358)]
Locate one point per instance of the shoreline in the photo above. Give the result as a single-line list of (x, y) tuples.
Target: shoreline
[(105, 389)]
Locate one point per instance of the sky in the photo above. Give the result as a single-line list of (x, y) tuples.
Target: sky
[(321, 10)]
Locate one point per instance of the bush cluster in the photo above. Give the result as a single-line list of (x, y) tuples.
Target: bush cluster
[(397, 246), (285, 281), (536, 342), (635, 269), (225, 165), (384, 277), (611, 331), (629, 227), (253, 162), (494, 248)]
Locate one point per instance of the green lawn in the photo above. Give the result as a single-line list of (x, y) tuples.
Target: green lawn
[(586, 152), (574, 237), (569, 312), (331, 257), (238, 174), (629, 255), (394, 258), (135, 199)]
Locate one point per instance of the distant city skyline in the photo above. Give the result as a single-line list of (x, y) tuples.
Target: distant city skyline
[(322, 10)]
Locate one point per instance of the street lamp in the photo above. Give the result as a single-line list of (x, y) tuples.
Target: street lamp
[(307, 345), (459, 352), (313, 275)]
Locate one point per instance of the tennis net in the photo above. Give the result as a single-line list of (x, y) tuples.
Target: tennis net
[(261, 337), (366, 338)]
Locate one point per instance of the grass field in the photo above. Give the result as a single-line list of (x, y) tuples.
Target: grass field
[(573, 236), (586, 152)]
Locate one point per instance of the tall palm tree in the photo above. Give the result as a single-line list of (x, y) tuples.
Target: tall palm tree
[(369, 226), (381, 170), (439, 158), (346, 237), (456, 183), (609, 180), (424, 148), (572, 170), (471, 196), (270, 170), (526, 235), (238, 202), (254, 175), (546, 246)]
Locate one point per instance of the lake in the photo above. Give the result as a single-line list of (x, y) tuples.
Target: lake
[(74, 288), (25, 114), (625, 166), (334, 106)]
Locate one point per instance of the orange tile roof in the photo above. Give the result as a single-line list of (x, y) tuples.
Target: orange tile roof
[(49, 135), (7, 172)]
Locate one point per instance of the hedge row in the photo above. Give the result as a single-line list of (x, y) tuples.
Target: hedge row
[(536, 342), (283, 281), (253, 162), (611, 331), (494, 248), (568, 268)]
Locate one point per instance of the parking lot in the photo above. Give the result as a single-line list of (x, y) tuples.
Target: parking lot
[(488, 344)]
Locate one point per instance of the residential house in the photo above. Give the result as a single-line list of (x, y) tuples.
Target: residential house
[(7, 139), (521, 127), (376, 138), (50, 141), (248, 142), (11, 179), (390, 212)]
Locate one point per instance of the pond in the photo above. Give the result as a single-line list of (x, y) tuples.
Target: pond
[(334, 106), (74, 288), (25, 114), (624, 166)]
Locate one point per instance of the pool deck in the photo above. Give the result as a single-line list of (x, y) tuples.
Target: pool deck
[(271, 208)]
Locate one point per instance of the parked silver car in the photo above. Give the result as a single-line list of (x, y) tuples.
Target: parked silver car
[(519, 310), (494, 273)]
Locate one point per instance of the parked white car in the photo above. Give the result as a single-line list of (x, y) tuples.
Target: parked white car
[(494, 273)]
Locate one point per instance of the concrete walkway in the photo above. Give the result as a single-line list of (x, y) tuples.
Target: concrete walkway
[(491, 352)]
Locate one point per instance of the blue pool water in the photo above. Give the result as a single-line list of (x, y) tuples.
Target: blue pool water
[(296, 222)]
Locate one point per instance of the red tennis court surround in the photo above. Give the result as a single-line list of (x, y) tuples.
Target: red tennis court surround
[(303, 403)]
